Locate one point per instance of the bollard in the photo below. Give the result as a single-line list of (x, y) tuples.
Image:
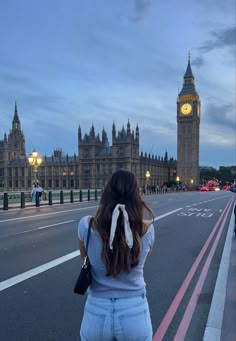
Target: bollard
[(37, 203), (80, 195), (50, 198), (5, 201), (88, 194), (96, 194), (22, 200), (71, 196), (61, 197)]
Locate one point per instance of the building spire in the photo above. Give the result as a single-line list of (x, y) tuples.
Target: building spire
[(79, 134), (188, 72), (113, 130), (92, 131), (16, 112), (16, 120), (188, 84), (128, 127), (104, 136)]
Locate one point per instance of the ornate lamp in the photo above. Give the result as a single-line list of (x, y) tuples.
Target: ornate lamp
[(35, 161)]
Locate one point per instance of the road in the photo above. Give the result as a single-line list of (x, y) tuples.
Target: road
[(39, 263)]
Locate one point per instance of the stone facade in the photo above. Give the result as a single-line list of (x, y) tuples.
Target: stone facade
[(98, 160), (95, 162)]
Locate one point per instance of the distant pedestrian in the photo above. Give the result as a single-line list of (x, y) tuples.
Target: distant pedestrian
[(120, 240), (36, 188), (39, 190), (33, 192)]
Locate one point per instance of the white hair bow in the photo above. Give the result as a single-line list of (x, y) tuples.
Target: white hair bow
[(128, 232)]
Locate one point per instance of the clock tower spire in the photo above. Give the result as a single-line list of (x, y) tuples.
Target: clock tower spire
[(188, 124)]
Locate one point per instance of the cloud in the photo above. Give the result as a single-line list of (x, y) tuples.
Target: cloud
[(223, 38), (198, 62), (141, 8), (221, 115), (15, 79)]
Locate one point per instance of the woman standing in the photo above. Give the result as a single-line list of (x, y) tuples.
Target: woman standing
[(120, 240)]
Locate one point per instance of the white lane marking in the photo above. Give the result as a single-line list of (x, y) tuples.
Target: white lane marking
[(41, 228), (166, 214), (64, 222), (33, 272), (225, 196), (45, 214)]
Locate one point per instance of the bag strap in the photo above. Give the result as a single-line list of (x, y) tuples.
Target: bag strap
[(88, 236)]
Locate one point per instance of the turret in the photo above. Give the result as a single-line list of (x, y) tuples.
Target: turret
[(137, 132), (128, 128), (16, 120), (79, 134), (166, 156), (92, 131), (104, 137), (113, 130), (16, 139)]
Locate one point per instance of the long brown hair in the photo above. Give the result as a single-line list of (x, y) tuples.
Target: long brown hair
[(121, 188)]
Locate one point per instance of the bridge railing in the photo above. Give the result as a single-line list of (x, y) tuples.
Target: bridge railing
[(24, 199)]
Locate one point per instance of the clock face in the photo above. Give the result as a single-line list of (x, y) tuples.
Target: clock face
[(186, 109)]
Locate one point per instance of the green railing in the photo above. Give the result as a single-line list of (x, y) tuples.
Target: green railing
[(23, 199)]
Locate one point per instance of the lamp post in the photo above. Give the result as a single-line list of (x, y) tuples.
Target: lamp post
[(177, 180), (191, 183), (147, 175), (35, 161)]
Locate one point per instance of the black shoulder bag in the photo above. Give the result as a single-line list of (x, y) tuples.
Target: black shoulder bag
[(85, 276)]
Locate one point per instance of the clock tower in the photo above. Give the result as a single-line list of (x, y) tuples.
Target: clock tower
[(188, 123)]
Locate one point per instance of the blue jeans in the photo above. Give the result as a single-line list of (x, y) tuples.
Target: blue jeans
[(121, 319)]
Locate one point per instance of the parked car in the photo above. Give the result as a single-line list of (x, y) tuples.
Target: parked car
[(203, 189), (211, 188)]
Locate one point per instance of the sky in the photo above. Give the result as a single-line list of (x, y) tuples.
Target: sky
[(76, 62)]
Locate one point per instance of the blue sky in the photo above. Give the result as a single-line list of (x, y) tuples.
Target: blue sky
[(76, 62)]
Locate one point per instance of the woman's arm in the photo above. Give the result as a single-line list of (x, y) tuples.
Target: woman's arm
[(81, 248), (146, 224), (150, 250), (80, 242)]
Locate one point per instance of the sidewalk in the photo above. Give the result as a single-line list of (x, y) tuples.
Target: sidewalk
[(228, 332), (221, 324)]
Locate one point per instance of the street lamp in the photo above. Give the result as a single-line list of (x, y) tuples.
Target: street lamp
[(191, 183), (177, 180), (35, 161), (147, 175)]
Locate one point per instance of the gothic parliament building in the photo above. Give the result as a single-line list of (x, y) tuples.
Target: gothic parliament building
[(97, 159)]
